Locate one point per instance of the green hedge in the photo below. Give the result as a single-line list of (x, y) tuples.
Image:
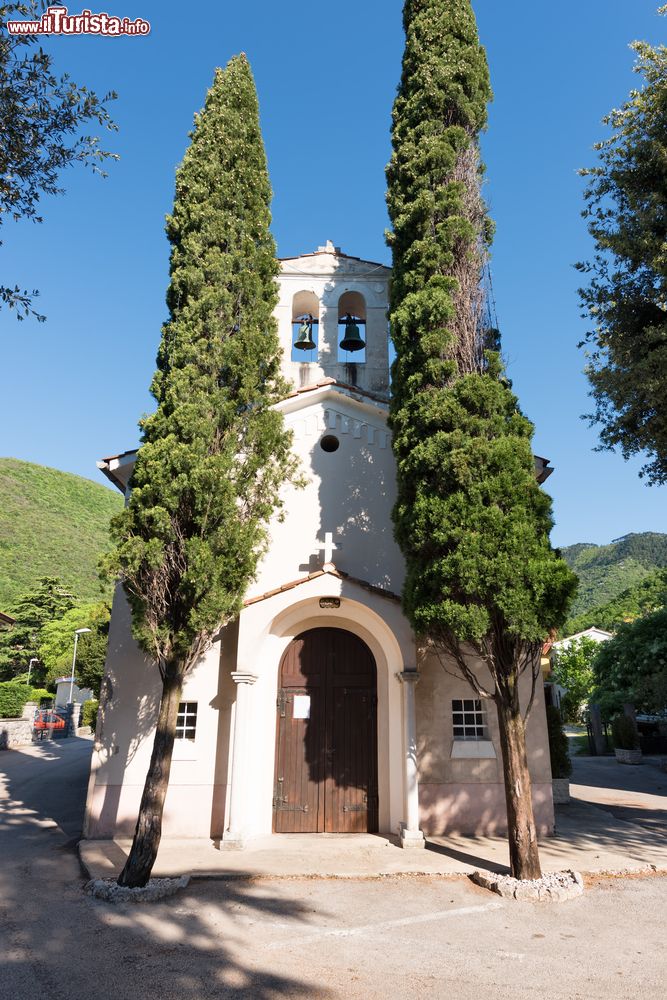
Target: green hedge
[(624, 733), (40, 694), (89, 713), (14, 695), (561, 765), (12, 699)]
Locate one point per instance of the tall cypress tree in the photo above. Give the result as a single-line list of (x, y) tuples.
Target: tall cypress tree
[(214, 454), (483, 586)]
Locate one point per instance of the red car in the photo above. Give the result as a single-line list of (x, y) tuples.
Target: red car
[(46, 720)]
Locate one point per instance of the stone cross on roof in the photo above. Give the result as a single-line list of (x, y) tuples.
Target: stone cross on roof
[(328, 548)]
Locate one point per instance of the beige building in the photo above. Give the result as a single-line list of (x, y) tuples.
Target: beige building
[(315, 711)]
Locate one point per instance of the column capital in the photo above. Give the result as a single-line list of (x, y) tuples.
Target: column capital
[(243, 677), (408, 677)]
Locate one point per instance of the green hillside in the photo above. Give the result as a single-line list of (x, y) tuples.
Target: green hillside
[(635, 602), (606, 571), (51, 524)]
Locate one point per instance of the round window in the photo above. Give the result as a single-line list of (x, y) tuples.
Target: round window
[(329, 443)]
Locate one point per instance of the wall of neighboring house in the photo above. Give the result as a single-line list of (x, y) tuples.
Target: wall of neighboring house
[(461, 787)]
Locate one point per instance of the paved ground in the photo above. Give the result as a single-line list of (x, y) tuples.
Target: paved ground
[(409, 937), (634, 793)]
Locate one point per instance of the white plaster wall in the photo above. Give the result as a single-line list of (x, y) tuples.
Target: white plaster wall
[(124, 741), (349, 492), (468, 795)]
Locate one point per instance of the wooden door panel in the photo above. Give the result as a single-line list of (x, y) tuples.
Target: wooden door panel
[(298, 783), (326, 765)]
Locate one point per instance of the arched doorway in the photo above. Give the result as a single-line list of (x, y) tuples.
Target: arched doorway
[(326, 736)]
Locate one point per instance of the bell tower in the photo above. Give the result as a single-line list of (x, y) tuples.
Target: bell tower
[(332, 319)]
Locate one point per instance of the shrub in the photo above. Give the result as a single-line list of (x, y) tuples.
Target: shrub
[(624, 733), (89, 713), (561, 765), (12, 699), (40, 694)]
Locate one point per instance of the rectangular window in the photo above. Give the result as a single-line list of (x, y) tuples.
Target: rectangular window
[(186, 723), (469, 720)]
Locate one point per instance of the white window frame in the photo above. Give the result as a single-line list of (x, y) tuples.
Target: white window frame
[(468, 730), (473, 743), (187, 710)]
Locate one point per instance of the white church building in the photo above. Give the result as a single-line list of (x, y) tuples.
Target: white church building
[(316, 711)]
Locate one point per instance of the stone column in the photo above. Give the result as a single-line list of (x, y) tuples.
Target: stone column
[(73, 716), (599, 742), (411, 835), (234, 834)]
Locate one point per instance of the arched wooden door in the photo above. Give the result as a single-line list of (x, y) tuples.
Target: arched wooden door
[(326, 736)]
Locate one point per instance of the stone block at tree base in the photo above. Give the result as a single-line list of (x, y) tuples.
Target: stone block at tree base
[(554, 887)]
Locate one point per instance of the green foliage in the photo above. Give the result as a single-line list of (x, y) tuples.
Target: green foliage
[(626, 297), (643, 598), (470, 517), (624, 733), (13, 697), (41, 116), (215, 453), (561, 765), (39, 695), (19, 644), (467, 501), (605, 571), (573, 669), (632, 667), (57, 642), (440, 227), (89, 711), (52, 523)]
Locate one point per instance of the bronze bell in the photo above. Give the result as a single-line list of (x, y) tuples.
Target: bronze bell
[(352, 340), (304, 340)]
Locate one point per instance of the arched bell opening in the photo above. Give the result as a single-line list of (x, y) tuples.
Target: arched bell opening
[(352, 328), (305, 324)]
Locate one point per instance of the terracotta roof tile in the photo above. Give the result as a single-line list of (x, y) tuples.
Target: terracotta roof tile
[(372, 588)]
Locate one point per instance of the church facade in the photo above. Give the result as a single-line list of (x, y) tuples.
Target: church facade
[(316, 711)]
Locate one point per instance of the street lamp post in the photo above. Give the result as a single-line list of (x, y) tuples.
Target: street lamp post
[(33, 660), (77, 633)]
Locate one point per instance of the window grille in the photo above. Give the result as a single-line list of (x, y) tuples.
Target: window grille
[(186, 723), (469, 720)]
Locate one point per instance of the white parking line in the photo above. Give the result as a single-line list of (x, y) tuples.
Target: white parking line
[(422, 918)]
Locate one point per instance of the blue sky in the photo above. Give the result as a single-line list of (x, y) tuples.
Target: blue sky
[(72, 389)]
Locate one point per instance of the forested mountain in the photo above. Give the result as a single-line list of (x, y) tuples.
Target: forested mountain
[(52, 524), (608, 571), (635, 602)]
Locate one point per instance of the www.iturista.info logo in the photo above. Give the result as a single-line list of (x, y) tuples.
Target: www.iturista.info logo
[(58, 21)]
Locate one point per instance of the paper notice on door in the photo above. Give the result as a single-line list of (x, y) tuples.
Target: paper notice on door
[(301, 706)]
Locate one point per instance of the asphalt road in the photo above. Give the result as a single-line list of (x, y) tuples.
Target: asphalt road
[(397, 937)]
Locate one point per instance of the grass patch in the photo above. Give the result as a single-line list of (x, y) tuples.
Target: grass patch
[(52, 523)]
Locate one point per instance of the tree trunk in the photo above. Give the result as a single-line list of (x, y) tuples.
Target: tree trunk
[(521, 832), (143, 852)]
